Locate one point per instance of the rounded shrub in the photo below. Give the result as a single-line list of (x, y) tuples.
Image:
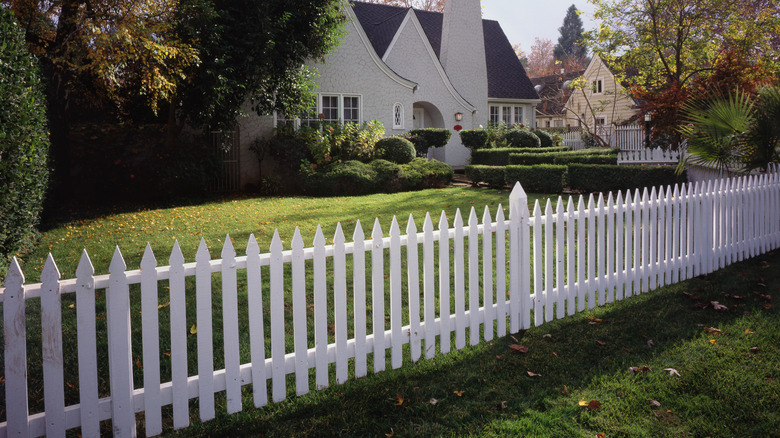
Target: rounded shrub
[(544, 137), (387, 179), (347, 178), (433, 173), (474, 138), (426, 138), (24, 141), (395, 149), (520, 138)]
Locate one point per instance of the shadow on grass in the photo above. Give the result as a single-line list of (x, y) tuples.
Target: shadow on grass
[(723, 388)]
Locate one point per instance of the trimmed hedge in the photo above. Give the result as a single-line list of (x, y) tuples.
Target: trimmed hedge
[(544, 137), (520, 138), (396, 150), (531, 159), (24, 141), (542, 178), (607, 178), (474, 138), (432, 137), (500, 157), (493, 176)]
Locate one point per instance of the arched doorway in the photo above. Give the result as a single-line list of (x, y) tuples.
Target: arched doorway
[(426, 115)]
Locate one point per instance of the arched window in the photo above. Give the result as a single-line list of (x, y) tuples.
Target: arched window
[(398, 116)]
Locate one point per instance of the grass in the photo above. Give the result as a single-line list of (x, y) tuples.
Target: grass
[(718, 381)]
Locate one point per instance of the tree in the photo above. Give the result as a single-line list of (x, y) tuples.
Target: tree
[(521, 54), (24, 141), (541, 61), (571, 45), (426, 5), (667, 44)]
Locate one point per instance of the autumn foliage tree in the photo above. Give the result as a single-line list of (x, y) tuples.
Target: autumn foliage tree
[(541, 61)]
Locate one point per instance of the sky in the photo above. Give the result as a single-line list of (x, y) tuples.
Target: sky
[(524, 20)]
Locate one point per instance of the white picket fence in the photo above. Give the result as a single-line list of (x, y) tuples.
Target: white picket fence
[(649, 156), (584, 254), (627, 138)]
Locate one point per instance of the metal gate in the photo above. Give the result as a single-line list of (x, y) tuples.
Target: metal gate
[(229, 177)]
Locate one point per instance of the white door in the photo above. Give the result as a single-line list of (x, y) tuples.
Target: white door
[(419, 118)]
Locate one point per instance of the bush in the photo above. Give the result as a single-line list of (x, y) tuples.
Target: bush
[(474, 139), (426, 138), (585, 159), (347, 178), (531, 159), (544, 137), (493, 176), (434, 173), (543, 178), (24, 141), (386, 175), (606, 178), (500, 157), (395, 149), (520, 138)]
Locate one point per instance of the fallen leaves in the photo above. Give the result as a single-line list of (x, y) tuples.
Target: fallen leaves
[(592, 405), (642, 369), (713, 330), (193, 329), (602, 343), (433, 401), (459, 393), (519, 348), (713, 341), (717, 306), (672, 372), (650, 343), (532, 374), (592, 320), (399, 400), (654, 403)]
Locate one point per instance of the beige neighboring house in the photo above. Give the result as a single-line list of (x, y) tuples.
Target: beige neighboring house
[(551, 111), (605, 102)]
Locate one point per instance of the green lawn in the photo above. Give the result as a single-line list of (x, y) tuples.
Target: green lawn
[(724, 388)]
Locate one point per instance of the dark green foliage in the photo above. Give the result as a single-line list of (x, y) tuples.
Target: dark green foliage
[(520, 138), (571, 44), (531, 159), (474, 139), (544, 137), (426, 138), (434, 173), (585, 159), (500, 157), (347, 178), (606, 178), (493, 176), (542, 178), (386, 174), (395, 149), (24, 141)]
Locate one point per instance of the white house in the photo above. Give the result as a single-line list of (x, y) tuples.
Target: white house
[(408, 69)]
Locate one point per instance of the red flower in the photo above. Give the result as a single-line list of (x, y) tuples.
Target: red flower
[(457, 127)]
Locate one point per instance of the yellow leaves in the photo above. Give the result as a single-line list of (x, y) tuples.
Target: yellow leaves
[(591, 405), (459, 393), (164, 305), (713, 341), (592, 320), (193, 329), (399, 399)]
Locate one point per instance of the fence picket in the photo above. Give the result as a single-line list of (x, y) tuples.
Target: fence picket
[(610, 251), (661, 237), (413, 290), (179, 373), (320, 311), (460, 299), (204, 332), (674, 252), (549, 263), (87, 347), (524, 257), (378, 296), (120, 349), (571, 289), (581, 246), (487, 274), (279, 387), (359, 299), (256, 329), (539, 298), (444, 284), (429, 290), (51, 331), (601, 255), (230, 327), (515, 261), (560, 261), (340, 304), (300, 326), (396, 353), (474, 319), (620, 236), (151, 343), (591, 260), (501, 310), (15, 336), (644, 268)]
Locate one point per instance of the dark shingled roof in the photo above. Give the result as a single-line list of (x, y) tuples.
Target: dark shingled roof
[(506, 76)]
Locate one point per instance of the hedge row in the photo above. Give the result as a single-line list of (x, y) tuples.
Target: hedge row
[(500, 156), (531, 159), (582, 177)]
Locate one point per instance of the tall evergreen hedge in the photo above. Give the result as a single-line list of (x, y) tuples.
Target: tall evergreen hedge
[(24, 141)]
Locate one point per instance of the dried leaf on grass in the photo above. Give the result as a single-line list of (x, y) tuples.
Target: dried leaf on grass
[(642, 369), (602, 343), (433, 401), (654, 403), (672, 372), (718, 306), (519, 348), (459, 393), (713, 330), (532, 374), (399, 399)]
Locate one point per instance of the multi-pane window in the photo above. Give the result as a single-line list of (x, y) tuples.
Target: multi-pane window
[(398, 116), (601, 121), (351, 109), (495, 117), (330, 108), (598, 86), (518, 115), (510, 115), (506, 115)]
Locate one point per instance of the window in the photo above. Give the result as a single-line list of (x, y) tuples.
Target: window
[(351, 109), (398, 116), (546, 123), (506, 115), (330, 108), (559, 123), (598, 86), (495, 116), (600, 121), (518, 115)]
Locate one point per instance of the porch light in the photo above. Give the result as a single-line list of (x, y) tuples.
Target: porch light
[(458, 116), (648, 117)]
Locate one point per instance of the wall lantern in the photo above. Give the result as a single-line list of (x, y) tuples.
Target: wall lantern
[(648, 117), (458, 116)]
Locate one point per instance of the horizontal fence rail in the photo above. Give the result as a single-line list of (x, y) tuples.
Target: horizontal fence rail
[(649, 156), (535, 267)]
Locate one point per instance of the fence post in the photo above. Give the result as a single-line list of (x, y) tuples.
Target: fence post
[(15, 335), (518, 219)]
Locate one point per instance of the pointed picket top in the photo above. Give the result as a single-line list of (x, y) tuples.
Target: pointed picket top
[(252, 248), (473, 217), (428, 224), (581, 205), (319, 237), (517, 191), (683, 192), (486, 218), (548, 210), (637, 195), (443, 222), (676, 192), (228, 252), (601, 201), (570, 206), (395, 230), (661, 193), (14, 275), (559, 207), (411, 227), (117, 262), (203, 254), (537, 210), (591, 202), (148, 261), (376, 233), (358, 234), (458, 219), (85, 267), (619, 200), (176, 258), (610, 200), (338, 237), (297, 240), (709, 184), (276, 241), (50, 271), (628, 199), (645, 195), (500, 214)]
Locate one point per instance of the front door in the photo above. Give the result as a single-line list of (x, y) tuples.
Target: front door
[(419, 118)]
